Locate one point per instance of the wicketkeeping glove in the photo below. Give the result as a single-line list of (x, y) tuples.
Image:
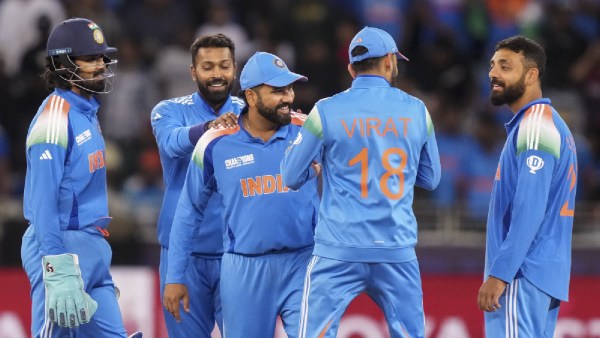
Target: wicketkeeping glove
[(66, 302)]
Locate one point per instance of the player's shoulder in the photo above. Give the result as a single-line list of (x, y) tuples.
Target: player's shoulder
[(51, 122), (238, 102), (298, 119), (538, 130), (172, 106), (208, 141)]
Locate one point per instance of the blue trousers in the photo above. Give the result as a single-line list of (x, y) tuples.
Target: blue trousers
[(257, 289), (202, 281), (526, 312), (331, 285), (94, 261)]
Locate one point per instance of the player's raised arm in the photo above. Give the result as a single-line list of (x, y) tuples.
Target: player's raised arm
[(296, 166)]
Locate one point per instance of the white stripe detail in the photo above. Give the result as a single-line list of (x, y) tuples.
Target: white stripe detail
[(305, 293), (538, 125), (511, 321), (49, 118), (531, 127), (534, 124), (516, 306), (54, 119), (58, 119)]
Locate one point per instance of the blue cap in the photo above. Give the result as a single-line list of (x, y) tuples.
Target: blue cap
[(77, 37), (266, 68), (378, 43)]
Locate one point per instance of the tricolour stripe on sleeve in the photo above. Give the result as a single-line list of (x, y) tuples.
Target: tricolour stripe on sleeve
[(429, 122), (52, 123), (206, 139), (313, 123), (298, 119), (537, 131)]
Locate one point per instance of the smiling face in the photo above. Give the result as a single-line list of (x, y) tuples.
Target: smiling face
[(507, 77), (274, 103), (214, 73)]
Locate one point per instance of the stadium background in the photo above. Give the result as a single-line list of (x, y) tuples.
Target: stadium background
[(449, 43)]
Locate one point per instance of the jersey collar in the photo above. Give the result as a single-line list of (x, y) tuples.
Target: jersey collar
[(226, 107), (365, 81), (86, 106), (281, 133), (519, 115)]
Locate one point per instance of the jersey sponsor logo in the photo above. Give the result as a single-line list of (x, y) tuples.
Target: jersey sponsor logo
[(262, 185), (83, 137), (239, 161), (46, 155), (373, 126), (96, 160), (534, 163)]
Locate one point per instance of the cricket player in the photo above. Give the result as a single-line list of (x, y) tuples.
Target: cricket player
[(377, 143), (64, 252), (268, 228), (530, 221), (178, 123)]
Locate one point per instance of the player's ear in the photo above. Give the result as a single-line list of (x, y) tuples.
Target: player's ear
[(192, 72), (251, 97), (532, 75), (351, 71)]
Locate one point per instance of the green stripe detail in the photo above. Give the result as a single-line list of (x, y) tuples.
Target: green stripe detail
[(49, 128), (429, 122), (548, 139), (313, 123), (198, 155)]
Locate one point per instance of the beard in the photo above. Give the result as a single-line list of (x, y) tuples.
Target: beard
[(271, 113), (510, 94), (211, 96), (94, 86)]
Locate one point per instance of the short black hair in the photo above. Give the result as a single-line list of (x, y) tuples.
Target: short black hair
[(365, 64), (535, 56), (212, 41)]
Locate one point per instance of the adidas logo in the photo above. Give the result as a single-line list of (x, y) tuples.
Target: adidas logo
[(46, 155), (156, 117)]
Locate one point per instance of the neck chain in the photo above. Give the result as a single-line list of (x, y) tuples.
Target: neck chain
[(247, 122)]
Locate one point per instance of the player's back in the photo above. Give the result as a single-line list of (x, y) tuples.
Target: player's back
[(373, 137)]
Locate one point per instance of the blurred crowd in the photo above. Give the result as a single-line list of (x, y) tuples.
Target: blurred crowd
[(449, 44)]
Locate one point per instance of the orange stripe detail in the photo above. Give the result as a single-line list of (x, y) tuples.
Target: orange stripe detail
[(104, 232), (298, 119), (214, 133), (322, 334), (65, 108)]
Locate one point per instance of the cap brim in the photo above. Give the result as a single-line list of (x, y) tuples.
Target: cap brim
[(285, 79), (110, 50), (400, 56)]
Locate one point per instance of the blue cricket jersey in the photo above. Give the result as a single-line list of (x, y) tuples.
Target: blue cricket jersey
[(261, 215), (65, 184), (377, 143), (530, 221), (171, 123)]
